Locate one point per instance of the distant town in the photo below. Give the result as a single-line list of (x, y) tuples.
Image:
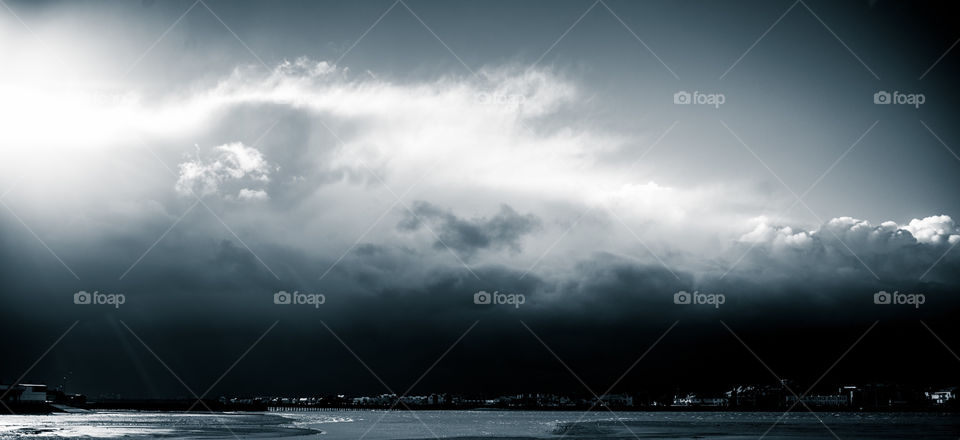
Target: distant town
[(39, 398)]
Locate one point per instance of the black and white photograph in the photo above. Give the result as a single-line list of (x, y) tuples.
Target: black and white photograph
[(479, 219)]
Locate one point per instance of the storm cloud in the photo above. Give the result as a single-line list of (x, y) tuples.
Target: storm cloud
[(503, 230), (400, 182)]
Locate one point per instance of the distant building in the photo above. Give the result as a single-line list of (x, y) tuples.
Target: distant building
[(33, 392), (536, 400), (58, 396), (683, 400), (24, 392), (714, 401), (693, 399), (10, 393), (415, 400), (616, 400), (852, 392), (888, 396), (943, 396), (752, 396), (831, 400)]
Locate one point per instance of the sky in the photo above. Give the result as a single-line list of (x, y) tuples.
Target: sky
[(599, 160)]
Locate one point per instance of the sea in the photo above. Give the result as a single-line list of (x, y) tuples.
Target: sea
[(465, 425)]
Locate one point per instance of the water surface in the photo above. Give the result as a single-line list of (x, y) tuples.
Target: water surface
[(401, 425)]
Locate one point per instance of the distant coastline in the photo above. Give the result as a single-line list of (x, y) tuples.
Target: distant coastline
[(866, 398), (188, 405)]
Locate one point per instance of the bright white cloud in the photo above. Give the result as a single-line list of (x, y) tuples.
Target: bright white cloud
[(252, 194), (777, 236), (232, 162), (934, 230), (858, 234)]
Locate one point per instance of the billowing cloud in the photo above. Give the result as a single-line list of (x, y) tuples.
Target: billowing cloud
[(764, 232), (232, 164), (936, 229), (848, 247), (887, 237), (350, 145)]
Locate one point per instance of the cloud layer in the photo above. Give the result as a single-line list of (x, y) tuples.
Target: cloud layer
[(485, 167), (398, 183)]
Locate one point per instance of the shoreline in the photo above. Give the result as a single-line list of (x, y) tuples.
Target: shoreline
[(185, 408)]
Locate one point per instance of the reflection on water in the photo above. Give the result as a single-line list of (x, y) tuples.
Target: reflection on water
[(132, 424), (383, 425), (375, 425)]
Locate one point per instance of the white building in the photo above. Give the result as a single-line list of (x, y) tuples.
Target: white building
[(25, 392), (943, 396), (695, 400), (831, 400), (616, 400)]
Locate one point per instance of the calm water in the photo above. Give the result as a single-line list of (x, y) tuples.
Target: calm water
[(379, 425)]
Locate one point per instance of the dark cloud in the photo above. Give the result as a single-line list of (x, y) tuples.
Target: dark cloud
[(503, 230), (209, 300)]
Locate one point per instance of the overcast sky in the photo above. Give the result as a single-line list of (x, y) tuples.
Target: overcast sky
[(198, 157)]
